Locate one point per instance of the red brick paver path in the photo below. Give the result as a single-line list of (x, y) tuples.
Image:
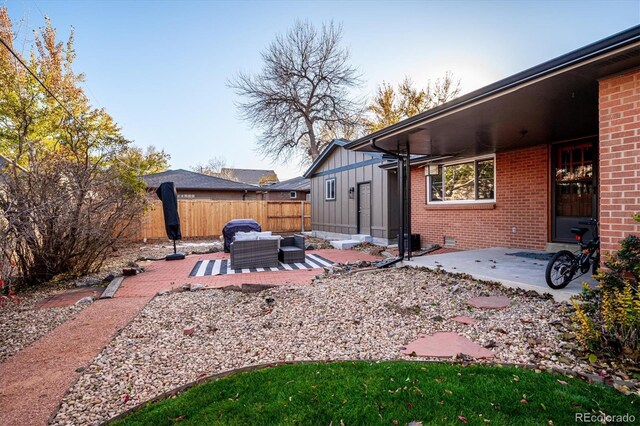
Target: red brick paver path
[(167, 275), (70, 297), (34, 380)]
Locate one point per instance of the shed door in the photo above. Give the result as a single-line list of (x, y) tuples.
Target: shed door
[(364, 208)]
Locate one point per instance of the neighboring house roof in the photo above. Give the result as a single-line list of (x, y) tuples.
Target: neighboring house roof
[(295, 184), (336, 143), (185, 179), (531, 98), (248, 176)]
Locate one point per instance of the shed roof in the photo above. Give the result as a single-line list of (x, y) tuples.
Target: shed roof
[(185, 179), (248, 176), (296, 184), (336, 143)]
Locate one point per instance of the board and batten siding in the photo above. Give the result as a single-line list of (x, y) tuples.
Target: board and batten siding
[(341, 215)]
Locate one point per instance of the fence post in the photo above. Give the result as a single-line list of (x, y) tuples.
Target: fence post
[(302, 216)]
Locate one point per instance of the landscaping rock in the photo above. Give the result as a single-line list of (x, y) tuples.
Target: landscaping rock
[(188, 331), (489, 302), (446, 345), (462, 319), (85, 301), (128, 272), (340, 316), (196, 287), (89, 282), (256, 288), (24, 322)]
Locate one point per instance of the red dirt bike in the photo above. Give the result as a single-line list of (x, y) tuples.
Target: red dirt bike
[(564, 265)]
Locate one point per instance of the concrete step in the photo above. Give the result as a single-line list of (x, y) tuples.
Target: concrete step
[(345, 244), (556, 247), (362, 238)]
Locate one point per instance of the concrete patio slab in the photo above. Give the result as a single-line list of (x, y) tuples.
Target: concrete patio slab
[(446, 345), (495, 264)]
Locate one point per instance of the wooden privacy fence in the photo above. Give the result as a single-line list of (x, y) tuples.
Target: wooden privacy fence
[(206, 218)]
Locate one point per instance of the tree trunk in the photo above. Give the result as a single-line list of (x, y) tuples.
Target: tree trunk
[(314, 152)]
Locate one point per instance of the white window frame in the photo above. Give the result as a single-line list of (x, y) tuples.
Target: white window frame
[(293, 195), (466, 160), (327, 192)]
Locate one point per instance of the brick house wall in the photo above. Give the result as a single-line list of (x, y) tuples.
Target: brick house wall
[(619, 116), (522, 201)]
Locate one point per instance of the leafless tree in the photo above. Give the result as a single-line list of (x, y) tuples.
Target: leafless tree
[(303, 93), (64, 216), (213, 167)]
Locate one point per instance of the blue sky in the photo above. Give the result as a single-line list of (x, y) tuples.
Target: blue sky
[(160, 67)]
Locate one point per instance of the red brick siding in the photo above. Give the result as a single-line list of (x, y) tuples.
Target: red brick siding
[(521, 200), (619, 106)]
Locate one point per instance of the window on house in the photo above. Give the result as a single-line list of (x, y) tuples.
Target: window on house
[(330, 189), (463, 182), (293, 195)]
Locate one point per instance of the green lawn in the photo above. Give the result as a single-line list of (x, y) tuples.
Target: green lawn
[(386, 393)]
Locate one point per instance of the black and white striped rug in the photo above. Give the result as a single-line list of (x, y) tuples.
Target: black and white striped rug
[(223, 267)]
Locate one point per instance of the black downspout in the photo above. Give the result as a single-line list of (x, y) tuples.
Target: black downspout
[(408, 201), (401, 191)]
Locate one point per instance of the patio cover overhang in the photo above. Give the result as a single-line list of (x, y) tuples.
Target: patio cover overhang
[(554, 101)]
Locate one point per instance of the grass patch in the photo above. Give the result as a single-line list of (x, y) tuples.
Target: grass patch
[(366, 393)]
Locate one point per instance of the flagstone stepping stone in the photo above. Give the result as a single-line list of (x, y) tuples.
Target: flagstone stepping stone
[(489, 302), (464, 320), (446, 345)]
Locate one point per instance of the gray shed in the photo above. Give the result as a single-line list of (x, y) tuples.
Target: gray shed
[(351, 194)]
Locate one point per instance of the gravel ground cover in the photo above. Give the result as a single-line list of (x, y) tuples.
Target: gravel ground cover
[(22, 323), (353, 316)]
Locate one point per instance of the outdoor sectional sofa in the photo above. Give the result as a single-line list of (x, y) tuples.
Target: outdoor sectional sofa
[(254, 254)]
